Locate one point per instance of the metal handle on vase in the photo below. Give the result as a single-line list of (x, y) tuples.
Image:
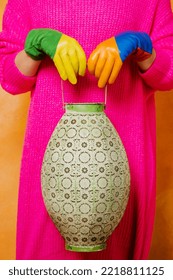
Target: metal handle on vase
[(62, 93)]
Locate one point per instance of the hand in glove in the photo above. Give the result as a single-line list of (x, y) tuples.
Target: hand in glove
[(107, 59), (67, 54)]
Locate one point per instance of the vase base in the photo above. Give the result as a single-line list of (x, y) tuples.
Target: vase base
[(85, 248)]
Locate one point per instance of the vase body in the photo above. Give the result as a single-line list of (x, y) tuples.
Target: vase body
[(85, 177)]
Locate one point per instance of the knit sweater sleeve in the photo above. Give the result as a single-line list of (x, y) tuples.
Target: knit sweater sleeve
[(15, 27), (160, 75)]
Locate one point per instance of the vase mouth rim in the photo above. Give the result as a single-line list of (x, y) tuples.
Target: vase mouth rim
[(85, 107)]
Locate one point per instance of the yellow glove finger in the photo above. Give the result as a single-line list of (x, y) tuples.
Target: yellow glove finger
[(81, 59), (70, 72), (92, 61), (74, 60), (115, 71), (100, 64), (60, 67), (107, 70)]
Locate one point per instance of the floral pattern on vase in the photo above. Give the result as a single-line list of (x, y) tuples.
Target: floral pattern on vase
[(85, 177)]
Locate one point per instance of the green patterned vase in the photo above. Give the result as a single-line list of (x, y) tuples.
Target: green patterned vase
[(85, 177)]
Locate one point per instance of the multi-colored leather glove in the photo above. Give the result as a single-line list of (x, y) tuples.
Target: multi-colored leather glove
[(67, 54), (107, 59)]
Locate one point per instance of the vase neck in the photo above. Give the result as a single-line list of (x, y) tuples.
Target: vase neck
[(85, 107)]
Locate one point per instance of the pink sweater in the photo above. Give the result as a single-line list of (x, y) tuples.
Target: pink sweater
[(130, 107)]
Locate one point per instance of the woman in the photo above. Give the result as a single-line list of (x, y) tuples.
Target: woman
[(130, 104)]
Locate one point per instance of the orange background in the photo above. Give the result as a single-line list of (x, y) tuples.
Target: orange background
[(13, 115)]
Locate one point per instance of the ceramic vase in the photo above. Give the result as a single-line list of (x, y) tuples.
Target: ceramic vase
[(85, 177)]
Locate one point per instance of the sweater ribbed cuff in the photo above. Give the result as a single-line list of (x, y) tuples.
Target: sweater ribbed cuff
[(157, 75), (13, 81)]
